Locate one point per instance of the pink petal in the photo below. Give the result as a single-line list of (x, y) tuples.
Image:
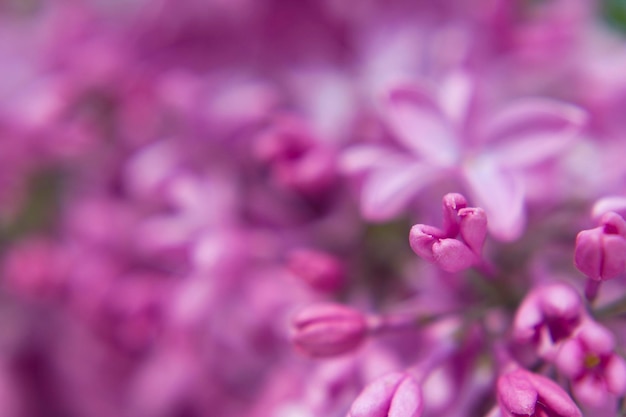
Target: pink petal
[(607, 204), (596, 338), (615, 375), (452, 203), (407, 401), (590, 391), (613, 223), (588, 253), (516, 394), (474, 227), (417, 122), (422, 238), (386, 192), (361, 158), (453, 255), (614, 260), (500, 194), (560, 300), (375, 399), (455, 96), (554, 397), (527, 318), (532, 130), (570, 358)]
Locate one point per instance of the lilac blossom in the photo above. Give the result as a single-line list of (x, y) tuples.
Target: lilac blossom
[(601, 252), (441, 247), (442, 139), (548, 315), (591, 363)]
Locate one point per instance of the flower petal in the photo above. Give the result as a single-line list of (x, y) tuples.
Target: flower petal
[(516, 394), (452, 255), (474, 227), (570, 358), (387, 191), (376, 398), (419, 124), (361, 158), (407, 401), (553, 397), (500, 194), (531, 131), (608, 204), (615, 375)]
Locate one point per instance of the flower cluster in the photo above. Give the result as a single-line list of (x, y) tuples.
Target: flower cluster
[(278, 208)]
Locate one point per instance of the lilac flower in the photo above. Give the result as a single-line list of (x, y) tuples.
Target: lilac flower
[(297, 160), (589, 360), (548, 315), (601, 252), (442, 139), (441, 246)]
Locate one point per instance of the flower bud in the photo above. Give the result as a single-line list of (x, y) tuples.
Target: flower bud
[(473, 227), (442, 246), (324, 330), (394, 395), (453, 255), (452, 204), (422, 238), (548, 315), (601, 252)]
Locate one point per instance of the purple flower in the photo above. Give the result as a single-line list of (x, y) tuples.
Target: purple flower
[(547, 316), (590, 361), (601, 252), (296, 159), (441, 246), (441, 140)]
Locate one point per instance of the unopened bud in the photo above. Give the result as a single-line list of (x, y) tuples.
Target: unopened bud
[(601, 252), (324, 330), (442, 246)]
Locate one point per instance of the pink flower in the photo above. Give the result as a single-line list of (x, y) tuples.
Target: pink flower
[(589, 360), (441, 246), (601, 252), (442, 140), (547, 316)]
